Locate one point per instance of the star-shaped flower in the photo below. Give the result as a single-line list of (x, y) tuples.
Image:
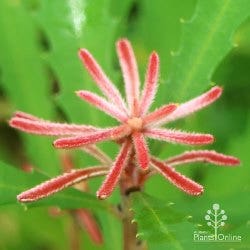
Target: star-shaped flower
[(136, 122)]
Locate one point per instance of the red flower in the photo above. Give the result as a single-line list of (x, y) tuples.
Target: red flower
[(136, 125)]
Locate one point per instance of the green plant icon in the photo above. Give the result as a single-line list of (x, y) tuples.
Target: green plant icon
[(216, 218)]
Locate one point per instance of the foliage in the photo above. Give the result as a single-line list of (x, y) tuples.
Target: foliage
[(206, 39), (40, 70), (155, 219)]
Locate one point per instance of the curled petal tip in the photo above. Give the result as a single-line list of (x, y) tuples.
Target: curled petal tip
[(174, 106), (234, 161), (155, 56), (210, 139), (10, 122), (122, 41), (61, 145), (154, 53), (219, 89), (24, 198), (204, 139), (78, 92), (19, 198), (101, 196), (216, 92), (196, 191), (82, 52), (199, 192)]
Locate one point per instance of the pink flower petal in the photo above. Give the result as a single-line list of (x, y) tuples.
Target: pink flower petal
[(89, 223), (195, 104), (156, 116), (91, 138), (179, 136), (43, 127), (24, 115), (210, 156), (61, 182), (103, 105), (130, 72), (141, 149), (179, 180), (103, 82), (115, 171), (150, 85), (90, 149)]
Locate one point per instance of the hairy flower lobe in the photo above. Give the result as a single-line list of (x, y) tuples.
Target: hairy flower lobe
[(136, 125)]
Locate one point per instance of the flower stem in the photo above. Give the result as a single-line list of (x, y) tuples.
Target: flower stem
[(130, 241)]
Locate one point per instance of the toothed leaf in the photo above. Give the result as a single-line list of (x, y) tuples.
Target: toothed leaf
[(206, 40), (79, 28), (156, 220), (24, 79)]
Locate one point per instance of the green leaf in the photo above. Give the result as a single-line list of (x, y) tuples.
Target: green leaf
[(14, 181), (206, 40), (32, 229), (88, 24), (155, 220), (156, 26), (24, 77), (80, 24)]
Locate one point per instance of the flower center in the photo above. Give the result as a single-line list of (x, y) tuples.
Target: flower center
[(135, 123)]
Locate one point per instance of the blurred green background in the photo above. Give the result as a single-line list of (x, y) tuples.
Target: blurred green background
[(199, 42)]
